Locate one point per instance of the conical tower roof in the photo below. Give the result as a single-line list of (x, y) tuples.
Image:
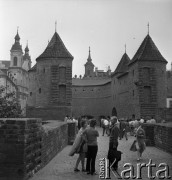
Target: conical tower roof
[(148, 52), (55, 49), (123, 64)]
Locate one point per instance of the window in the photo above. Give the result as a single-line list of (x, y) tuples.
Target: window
[(170, 104), (62, 74), (62, 93), (147, 94), (15, 61), (146, 74), (39, 90)]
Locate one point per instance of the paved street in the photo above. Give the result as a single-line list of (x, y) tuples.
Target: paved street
[(62, 166)]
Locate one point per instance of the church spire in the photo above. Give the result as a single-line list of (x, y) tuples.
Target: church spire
[(148, 28), (89, 55), (17, 37), (27, 49)]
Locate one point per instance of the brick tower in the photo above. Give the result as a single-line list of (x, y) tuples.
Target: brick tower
[(148, 74), (53, 81)]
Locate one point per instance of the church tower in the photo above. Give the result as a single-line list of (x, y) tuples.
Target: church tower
[(16, 53), (89, 66), (26, 59)]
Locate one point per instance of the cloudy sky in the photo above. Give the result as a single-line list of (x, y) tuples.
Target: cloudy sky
[(104, 25)]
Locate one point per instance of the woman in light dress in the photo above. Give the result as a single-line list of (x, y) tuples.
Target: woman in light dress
[(140, 138)]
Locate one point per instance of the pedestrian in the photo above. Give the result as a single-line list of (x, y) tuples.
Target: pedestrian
[(113, 143), (140, 138), (81, 151), (123, 131), (105, 126), (91, 135)]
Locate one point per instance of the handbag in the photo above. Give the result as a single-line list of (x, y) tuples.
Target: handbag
[(133, 146)]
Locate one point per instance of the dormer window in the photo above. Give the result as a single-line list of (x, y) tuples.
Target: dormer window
[(15, 61)]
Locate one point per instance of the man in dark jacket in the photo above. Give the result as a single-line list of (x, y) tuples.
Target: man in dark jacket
[(113, 154)]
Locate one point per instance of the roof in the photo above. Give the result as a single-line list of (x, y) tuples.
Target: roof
[(55, 49), (89, 82), (123, 64), (6, 63), (148, 51), (16, 46), (2, 73), (33, 68)]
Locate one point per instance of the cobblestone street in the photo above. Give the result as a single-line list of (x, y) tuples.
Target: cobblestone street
[(62, 166)]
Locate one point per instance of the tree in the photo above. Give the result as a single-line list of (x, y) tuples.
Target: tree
[(9, 105)]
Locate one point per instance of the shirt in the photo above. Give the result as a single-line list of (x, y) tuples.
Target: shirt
[(106, 122), (114, 134), (91, 135)]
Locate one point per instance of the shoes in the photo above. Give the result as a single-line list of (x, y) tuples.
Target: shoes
[(84, 170), (76, 170)]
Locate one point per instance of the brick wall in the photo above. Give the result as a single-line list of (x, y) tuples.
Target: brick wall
[(91, 100), (163, 137), (54, 139), (26, 146), (49, 113), (159, 135), (20, 148)]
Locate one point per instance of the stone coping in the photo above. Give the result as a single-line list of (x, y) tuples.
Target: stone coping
[(168, 124), (52, 124)]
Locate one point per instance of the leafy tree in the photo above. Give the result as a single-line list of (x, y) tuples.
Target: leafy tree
[(9, 105)]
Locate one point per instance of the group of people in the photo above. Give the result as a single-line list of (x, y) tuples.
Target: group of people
[(86, 144), (122, 125)]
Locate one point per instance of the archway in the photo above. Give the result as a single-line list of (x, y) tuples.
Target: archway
[(114, 112)]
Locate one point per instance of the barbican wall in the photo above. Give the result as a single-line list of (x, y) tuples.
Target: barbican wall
[(91, 100)]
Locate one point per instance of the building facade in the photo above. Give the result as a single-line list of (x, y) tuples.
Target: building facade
[(17, 69)]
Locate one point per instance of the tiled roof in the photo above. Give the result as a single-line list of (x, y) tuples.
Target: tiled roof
[(89, 82), (33, 68), (55, 49), (16, 46), (123, 64), (6, 63), (148, 51)]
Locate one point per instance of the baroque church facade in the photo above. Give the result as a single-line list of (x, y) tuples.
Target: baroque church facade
[(16, 72)]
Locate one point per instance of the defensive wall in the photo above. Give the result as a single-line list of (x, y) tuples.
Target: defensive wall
[(91, 99), (27, 145), (159, 135)]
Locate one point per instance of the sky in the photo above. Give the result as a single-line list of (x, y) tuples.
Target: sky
[(104, 25)]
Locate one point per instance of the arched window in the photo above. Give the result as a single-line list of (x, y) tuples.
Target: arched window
[(15, 61), (39, 90)]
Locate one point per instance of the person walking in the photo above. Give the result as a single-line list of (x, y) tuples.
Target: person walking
[(91, 135), (140, 138), (105, 126), (81, 151), (113, 143)]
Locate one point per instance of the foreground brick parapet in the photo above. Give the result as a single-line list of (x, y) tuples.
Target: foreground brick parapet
[(26, 145)]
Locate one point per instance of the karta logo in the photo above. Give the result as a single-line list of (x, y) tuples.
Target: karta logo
[(130, 173)]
